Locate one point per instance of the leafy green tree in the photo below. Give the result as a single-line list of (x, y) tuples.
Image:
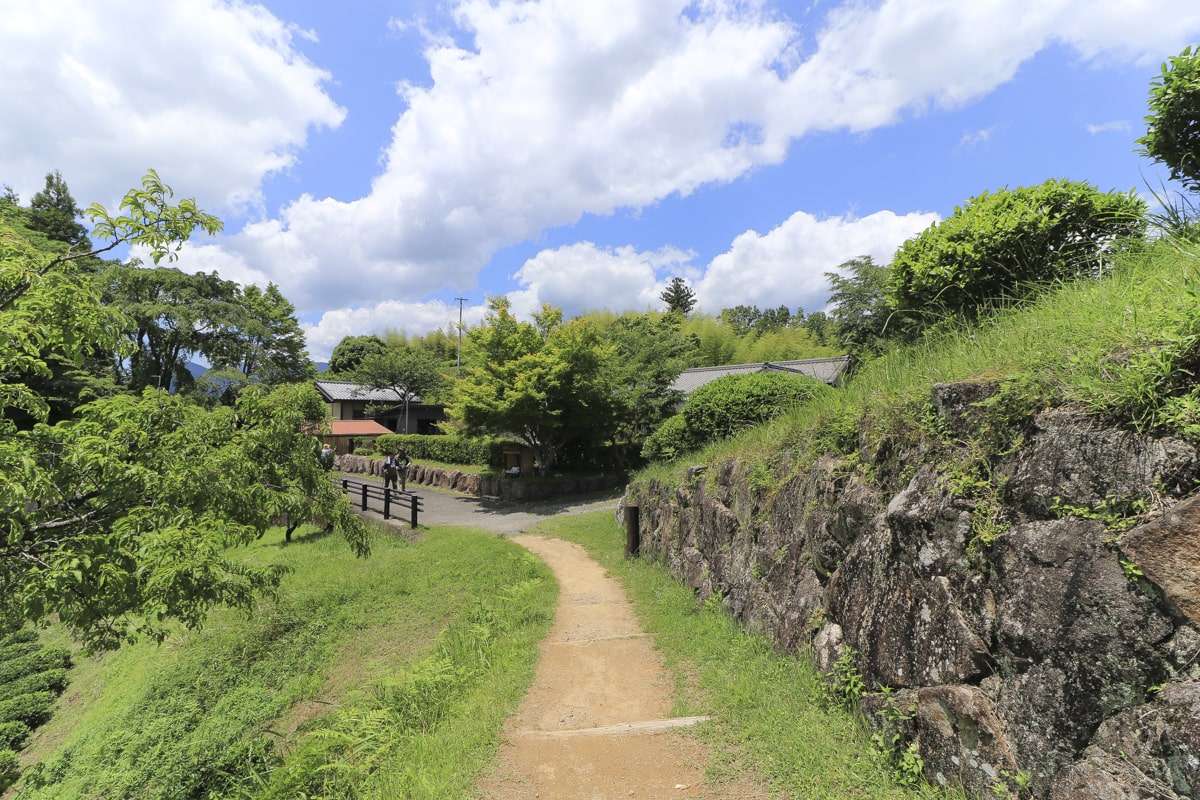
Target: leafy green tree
[(408, 371), (262, 339), (548, 388), (679, 297), (119, 520), (175, 316), (350, 352), (1000, 246), (863, 317), (1173, 126), (649, 351), (54, 213)]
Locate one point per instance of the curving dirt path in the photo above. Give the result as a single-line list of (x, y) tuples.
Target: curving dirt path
[(596, 723)]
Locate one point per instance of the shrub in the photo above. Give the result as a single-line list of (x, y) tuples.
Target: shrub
[(447, 449), (50, 680), (731, 404), (670, 441), (17, 637), (33, 708), (38, 661), (13, 734), (8, 652), (9, 769)]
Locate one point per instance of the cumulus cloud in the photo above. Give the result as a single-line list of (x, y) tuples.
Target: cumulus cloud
[(533, 116), (211, 94), (787, 265), (390, 315), (583, 277), (539, 113)]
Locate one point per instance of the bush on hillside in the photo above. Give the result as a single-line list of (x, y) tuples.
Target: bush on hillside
[(10, 768), (1007, 244), (50, 680), (13, 735), (448, 449), (33, 708), (670, 441), (728, 405), (38, 661)]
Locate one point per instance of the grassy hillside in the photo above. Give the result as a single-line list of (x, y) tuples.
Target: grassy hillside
[(1126, 346), (357, 660)]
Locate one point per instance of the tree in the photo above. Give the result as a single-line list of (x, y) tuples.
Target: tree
[(548, 389), (1173, 126), (262, 341), (406, 370), (863, 316), (351, 350), (1004, 245), (679, 297), (54, 213), (649, 351), (119, 520), (175, 315)]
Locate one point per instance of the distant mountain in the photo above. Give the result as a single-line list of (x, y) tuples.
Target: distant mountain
[(322, 366), (196, 370)]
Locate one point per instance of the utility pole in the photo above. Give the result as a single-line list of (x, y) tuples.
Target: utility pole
[(460, 300)]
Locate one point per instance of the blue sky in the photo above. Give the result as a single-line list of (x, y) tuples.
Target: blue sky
[(378, 160)]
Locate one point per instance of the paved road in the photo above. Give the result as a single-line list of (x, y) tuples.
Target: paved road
[(445, 508)]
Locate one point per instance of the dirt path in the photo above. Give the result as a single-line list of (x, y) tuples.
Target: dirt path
[(595, 723)]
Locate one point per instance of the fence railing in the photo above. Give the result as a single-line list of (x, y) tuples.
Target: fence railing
[(363, 492)]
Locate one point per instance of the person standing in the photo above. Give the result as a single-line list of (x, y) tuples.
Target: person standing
[(402, 461), (389, 470)]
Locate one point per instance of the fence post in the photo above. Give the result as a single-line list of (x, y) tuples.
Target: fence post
[(633, 535), (387, 502), (364, 497), (412, 503)]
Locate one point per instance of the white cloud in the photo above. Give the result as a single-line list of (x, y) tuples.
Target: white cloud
[(409, 318), (1115, 126), (553, 110), (583, 277), (211, 94), (787, 265), (533, 115)]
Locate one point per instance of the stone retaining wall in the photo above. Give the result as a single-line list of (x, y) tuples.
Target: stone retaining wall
[(517, 490)]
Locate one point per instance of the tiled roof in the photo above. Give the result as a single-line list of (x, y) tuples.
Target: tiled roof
[(828, 370), (356, 427), (334, 391)]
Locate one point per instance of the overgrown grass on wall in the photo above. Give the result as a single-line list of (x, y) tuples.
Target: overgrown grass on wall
[(1126, 345)]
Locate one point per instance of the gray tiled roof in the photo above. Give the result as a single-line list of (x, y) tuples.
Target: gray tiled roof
[(828, 370), (334, 391)]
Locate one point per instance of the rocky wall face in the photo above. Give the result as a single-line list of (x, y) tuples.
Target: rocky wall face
[(1042, 650)]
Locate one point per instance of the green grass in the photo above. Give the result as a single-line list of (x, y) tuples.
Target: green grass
[(223, 711), (773, 714)]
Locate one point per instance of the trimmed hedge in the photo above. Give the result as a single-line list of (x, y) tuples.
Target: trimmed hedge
[(22, 635), (8, 652), (33, 708), (728, 405), (13, 734), (10, 769), (37, 661), (50, 680), (447, 449)]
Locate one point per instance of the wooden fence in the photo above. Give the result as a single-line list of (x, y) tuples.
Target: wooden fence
[(362, 492)]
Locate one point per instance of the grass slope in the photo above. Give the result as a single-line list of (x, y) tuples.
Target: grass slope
[(347, 650)]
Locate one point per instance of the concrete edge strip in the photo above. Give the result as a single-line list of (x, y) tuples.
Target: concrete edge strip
[(620, 637), (649, 726)]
